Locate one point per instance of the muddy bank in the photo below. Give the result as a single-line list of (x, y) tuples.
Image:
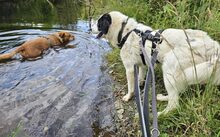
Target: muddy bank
[(66, 93)]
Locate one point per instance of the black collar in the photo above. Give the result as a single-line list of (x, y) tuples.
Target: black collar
[(121, 30)]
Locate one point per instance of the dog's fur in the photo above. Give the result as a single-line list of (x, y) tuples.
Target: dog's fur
[(34, 48), (182, 63)]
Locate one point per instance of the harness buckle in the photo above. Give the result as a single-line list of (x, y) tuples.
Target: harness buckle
[(156, 43)]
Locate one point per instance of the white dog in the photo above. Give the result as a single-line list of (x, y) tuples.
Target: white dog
[(187, 56)]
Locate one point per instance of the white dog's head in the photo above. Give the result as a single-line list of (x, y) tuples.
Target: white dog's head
[(114, 25), (103, 24), (109, 22), (109, 26)]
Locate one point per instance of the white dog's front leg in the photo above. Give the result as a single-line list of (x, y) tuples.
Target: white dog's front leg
[(130, 80)]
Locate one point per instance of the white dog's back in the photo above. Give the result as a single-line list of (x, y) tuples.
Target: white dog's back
[(200, 42)]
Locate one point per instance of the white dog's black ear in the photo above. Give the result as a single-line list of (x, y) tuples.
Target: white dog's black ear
[(104, 23)]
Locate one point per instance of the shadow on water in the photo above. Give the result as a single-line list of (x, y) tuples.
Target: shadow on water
[(66, 93)]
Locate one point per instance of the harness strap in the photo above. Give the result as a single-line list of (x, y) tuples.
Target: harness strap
[(121, 30), (120, 45)]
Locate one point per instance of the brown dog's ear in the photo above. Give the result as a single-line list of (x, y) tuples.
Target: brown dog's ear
[(62, 34)]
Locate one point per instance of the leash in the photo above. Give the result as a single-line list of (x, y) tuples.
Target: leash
[(146, 94), (144, 127), (151, 78), (144, 109)]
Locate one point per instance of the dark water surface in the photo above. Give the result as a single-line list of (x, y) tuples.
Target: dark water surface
[(65, 14), (66, 93)]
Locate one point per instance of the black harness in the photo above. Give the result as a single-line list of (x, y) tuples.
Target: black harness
[(155, 39)]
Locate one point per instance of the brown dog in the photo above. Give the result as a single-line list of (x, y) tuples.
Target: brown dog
[(34, 48)]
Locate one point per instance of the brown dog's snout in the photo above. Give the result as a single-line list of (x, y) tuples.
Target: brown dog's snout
[(69, 36), (72, 37)]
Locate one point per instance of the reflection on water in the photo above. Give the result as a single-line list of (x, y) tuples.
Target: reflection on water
[(40, 13)]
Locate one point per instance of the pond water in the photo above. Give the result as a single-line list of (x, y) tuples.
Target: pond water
[(67, 92), (44, 14)]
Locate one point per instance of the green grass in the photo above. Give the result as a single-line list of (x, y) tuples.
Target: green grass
[(198, 114), (199, 14), (199, 111)]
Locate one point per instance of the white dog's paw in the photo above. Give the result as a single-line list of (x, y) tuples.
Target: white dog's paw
[(161, 97), (126, 98)]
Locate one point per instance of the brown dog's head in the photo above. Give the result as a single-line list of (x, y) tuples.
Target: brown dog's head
[(66, 36)]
